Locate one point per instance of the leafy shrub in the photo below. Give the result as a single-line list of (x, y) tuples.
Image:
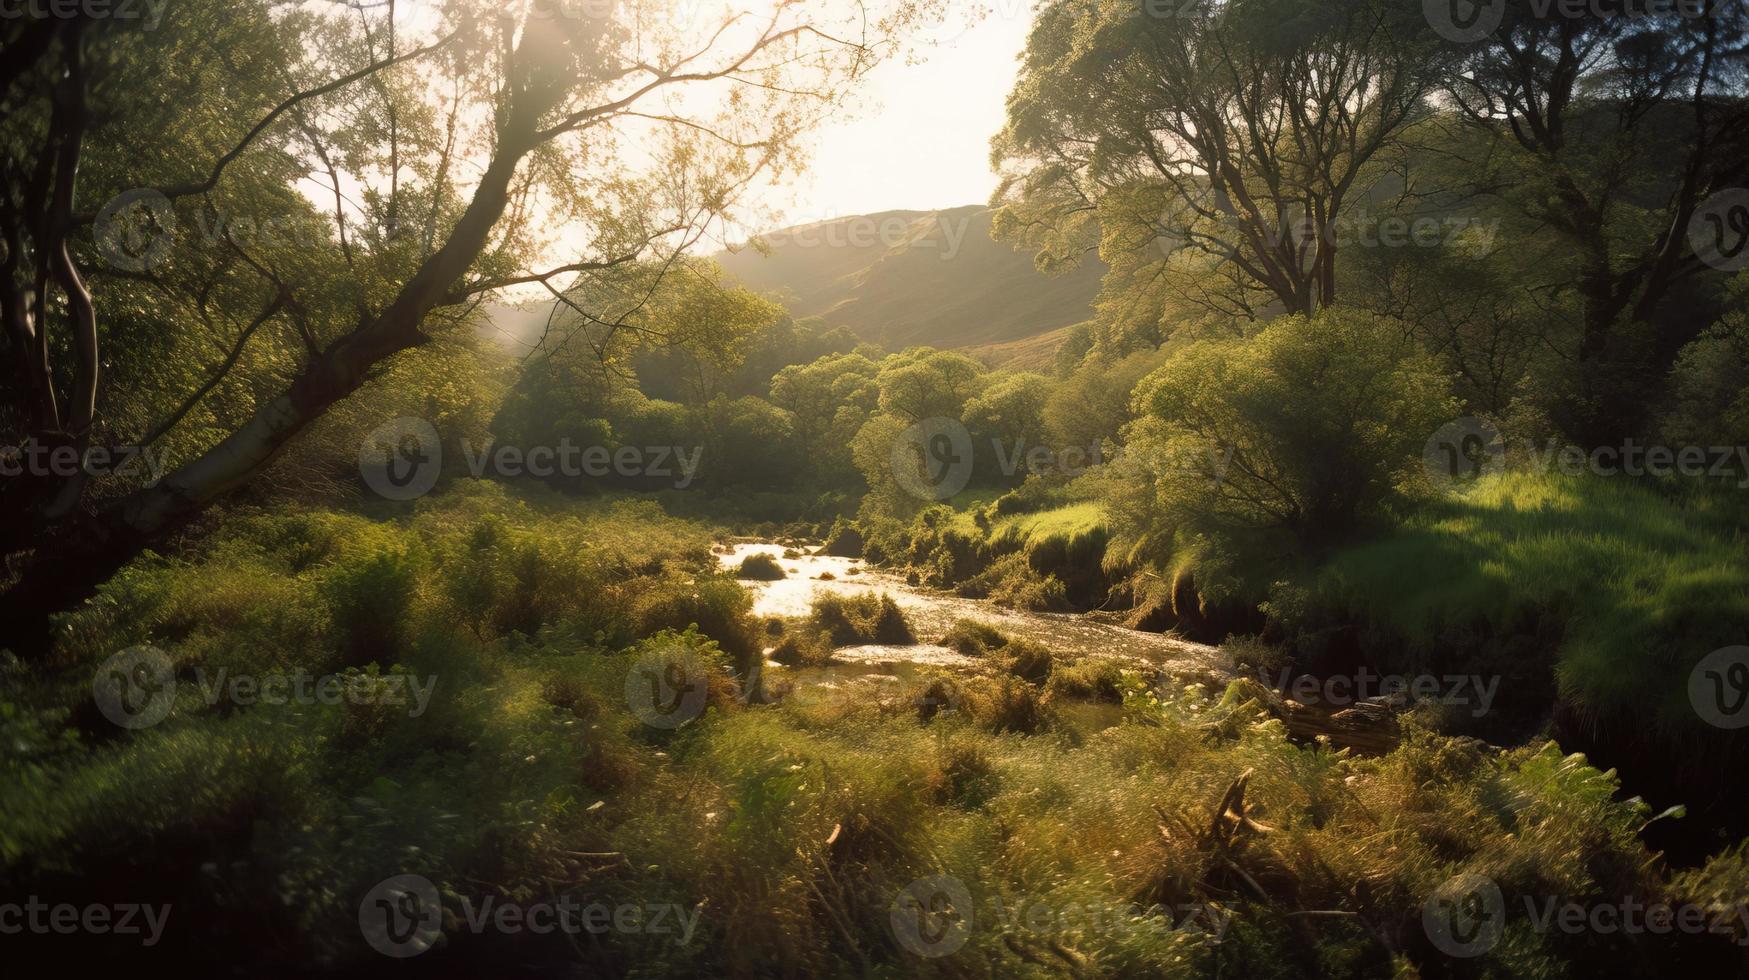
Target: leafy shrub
[(760, 567), (1709, 383), (715, 606), (803, 648), (861, 619), (1312, 427), (1093, 679), (369, 599), (691, 652), (973, 638), (844, 540), (1005, 704), (1011, 581), (1027, 660), (502, 578), (375, 701)]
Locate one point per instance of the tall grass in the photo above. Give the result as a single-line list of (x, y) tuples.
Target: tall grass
[(1083, 837)]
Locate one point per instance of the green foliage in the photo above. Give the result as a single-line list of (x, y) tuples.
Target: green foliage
[(973, 637), (1023, 658), (1013, 582), (1006, 704), (795, 825), (1603, 590), (1709, 384), (830, 399), (715, 605), (369, 599), (760, 567), (748, 442), (1027, 660), (1092, 405), (1143, 176), (843, 541), (851, 620), (1312, 428), (803, 648), (1088, 680), (1005, 421)]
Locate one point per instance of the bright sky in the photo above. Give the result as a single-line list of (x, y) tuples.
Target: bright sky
[(921, 140)]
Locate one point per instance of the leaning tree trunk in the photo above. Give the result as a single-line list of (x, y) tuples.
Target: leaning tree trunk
[(65, 558)]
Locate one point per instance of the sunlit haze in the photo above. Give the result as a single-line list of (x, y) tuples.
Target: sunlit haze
[(920, 136)]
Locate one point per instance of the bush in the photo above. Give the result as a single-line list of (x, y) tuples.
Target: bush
[(1011, 581), (1028, 661), (369, 599), (1709, 384), (500, 575), (1313, 427), (718, 607), (963, 774), (844, 541), (1005, 704), (863, 619), (973, 638), (1010, 504), (1094, 680), (803, 648), (760, 567), (691, 653)]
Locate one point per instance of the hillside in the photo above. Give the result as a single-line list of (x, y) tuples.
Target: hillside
[(902, 278)]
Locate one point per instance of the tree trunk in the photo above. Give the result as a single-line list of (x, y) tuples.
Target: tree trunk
[(65, 560)]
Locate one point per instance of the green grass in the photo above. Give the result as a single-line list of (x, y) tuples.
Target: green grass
[(1045, 560), (1070, 520), (1611, 590), (1077, 518), (1082, 834)]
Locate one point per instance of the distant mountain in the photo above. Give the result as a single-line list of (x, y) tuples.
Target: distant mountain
[(897, 279), (903, 278)]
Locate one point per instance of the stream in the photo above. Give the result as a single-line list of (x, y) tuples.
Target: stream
[(931, 613), (1073, 636)]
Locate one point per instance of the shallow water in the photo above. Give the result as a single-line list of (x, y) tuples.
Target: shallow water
[(932, 613)]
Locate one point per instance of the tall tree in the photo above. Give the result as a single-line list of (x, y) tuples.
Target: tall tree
[(1240, 130), (443, 140), (1613, 129)]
